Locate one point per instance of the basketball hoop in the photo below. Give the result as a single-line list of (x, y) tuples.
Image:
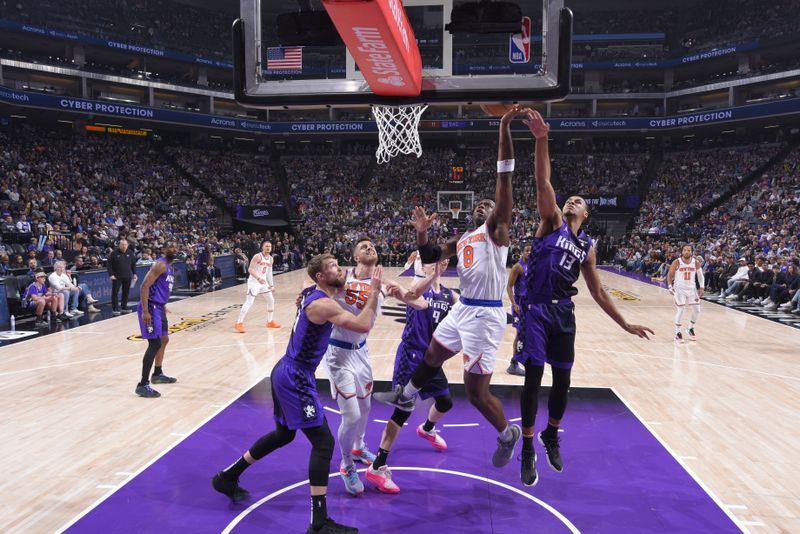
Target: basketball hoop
[(398, 130), (455, 209)]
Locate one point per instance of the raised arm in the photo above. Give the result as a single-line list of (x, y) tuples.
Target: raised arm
[(326, 310), (430, 253), (549, 211), (604, 301), (500, 218)]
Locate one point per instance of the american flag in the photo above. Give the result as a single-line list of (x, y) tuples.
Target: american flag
[(289, 58)]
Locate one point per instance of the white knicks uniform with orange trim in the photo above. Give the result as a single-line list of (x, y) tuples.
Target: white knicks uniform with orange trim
[(476, 324), (684, 284), (264, 269), (347, 357)]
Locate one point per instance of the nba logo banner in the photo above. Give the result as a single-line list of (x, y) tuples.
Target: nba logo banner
[(519, 44)]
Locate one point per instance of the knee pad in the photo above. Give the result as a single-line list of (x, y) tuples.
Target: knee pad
[(443, 404), (400, 417)]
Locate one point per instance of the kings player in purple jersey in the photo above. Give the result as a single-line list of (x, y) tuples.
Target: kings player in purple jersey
[(561, 252), (516, 291), (428, 303), (152, 311), (294, 391)]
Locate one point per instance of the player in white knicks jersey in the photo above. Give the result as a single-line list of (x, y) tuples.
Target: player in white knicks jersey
[(475, 325), (684, 276), (349, 369), (259, 282)]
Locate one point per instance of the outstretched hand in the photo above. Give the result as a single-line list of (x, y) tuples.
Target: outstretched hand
[(639, 330), (377, 278), (420, 220), (511, 113), (536, 123)]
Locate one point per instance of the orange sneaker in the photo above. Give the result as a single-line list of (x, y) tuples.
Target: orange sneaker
[(239, 327), (273, 324)]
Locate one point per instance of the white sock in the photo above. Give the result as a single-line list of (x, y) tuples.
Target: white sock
[(270, 306), (677, 329), (506, 434), (248, 301), (410, 390)]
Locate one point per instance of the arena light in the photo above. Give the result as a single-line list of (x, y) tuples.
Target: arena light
[(773, 126), (19, 116), (65, 121)]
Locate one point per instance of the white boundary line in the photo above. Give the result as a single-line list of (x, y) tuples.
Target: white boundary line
[(503, 485), (457, 425), (681, 462), (154, 460)]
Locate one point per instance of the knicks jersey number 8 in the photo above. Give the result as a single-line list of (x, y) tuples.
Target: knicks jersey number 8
[(469, 256)]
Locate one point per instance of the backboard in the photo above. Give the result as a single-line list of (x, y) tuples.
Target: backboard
[(461, 68)]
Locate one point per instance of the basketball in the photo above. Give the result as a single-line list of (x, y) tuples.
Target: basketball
[(496, 110)]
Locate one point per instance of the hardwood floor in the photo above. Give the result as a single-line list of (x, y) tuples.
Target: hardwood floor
[(726, 404)]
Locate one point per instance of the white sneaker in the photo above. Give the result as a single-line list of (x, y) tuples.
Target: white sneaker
[(92, 309), (771, 307), (76, 313), (68, 314), (731, 297), (91, 300), (785, 306)]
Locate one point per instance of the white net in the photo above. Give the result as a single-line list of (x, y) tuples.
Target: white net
[(398, 130)]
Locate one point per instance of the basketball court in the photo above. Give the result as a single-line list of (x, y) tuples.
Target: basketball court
[(656, 438)]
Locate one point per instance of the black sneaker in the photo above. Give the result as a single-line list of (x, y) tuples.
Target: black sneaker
[(396, 398), (62, 318), (691, 334), (115, 312), (332, 527), (505, 449), (678, 337), (528, 475), (552, 448), (162, 379), (147, 392), (229, 488)]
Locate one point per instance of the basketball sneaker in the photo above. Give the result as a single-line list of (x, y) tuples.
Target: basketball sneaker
[(352, 484), (272, 324), (146, 391), (239, 327), (505, 449), (396, 398), (382, 478), (515, 369), (363, 455), (691, 334), (553, 450), (163, 379), (528, 473), (229, 488), (332, 527), (433, 438), (678, 337)]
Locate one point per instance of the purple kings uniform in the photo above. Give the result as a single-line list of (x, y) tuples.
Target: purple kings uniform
[(294, 388), (548, 313), (519, 293), (157, 299), (416, 337)]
